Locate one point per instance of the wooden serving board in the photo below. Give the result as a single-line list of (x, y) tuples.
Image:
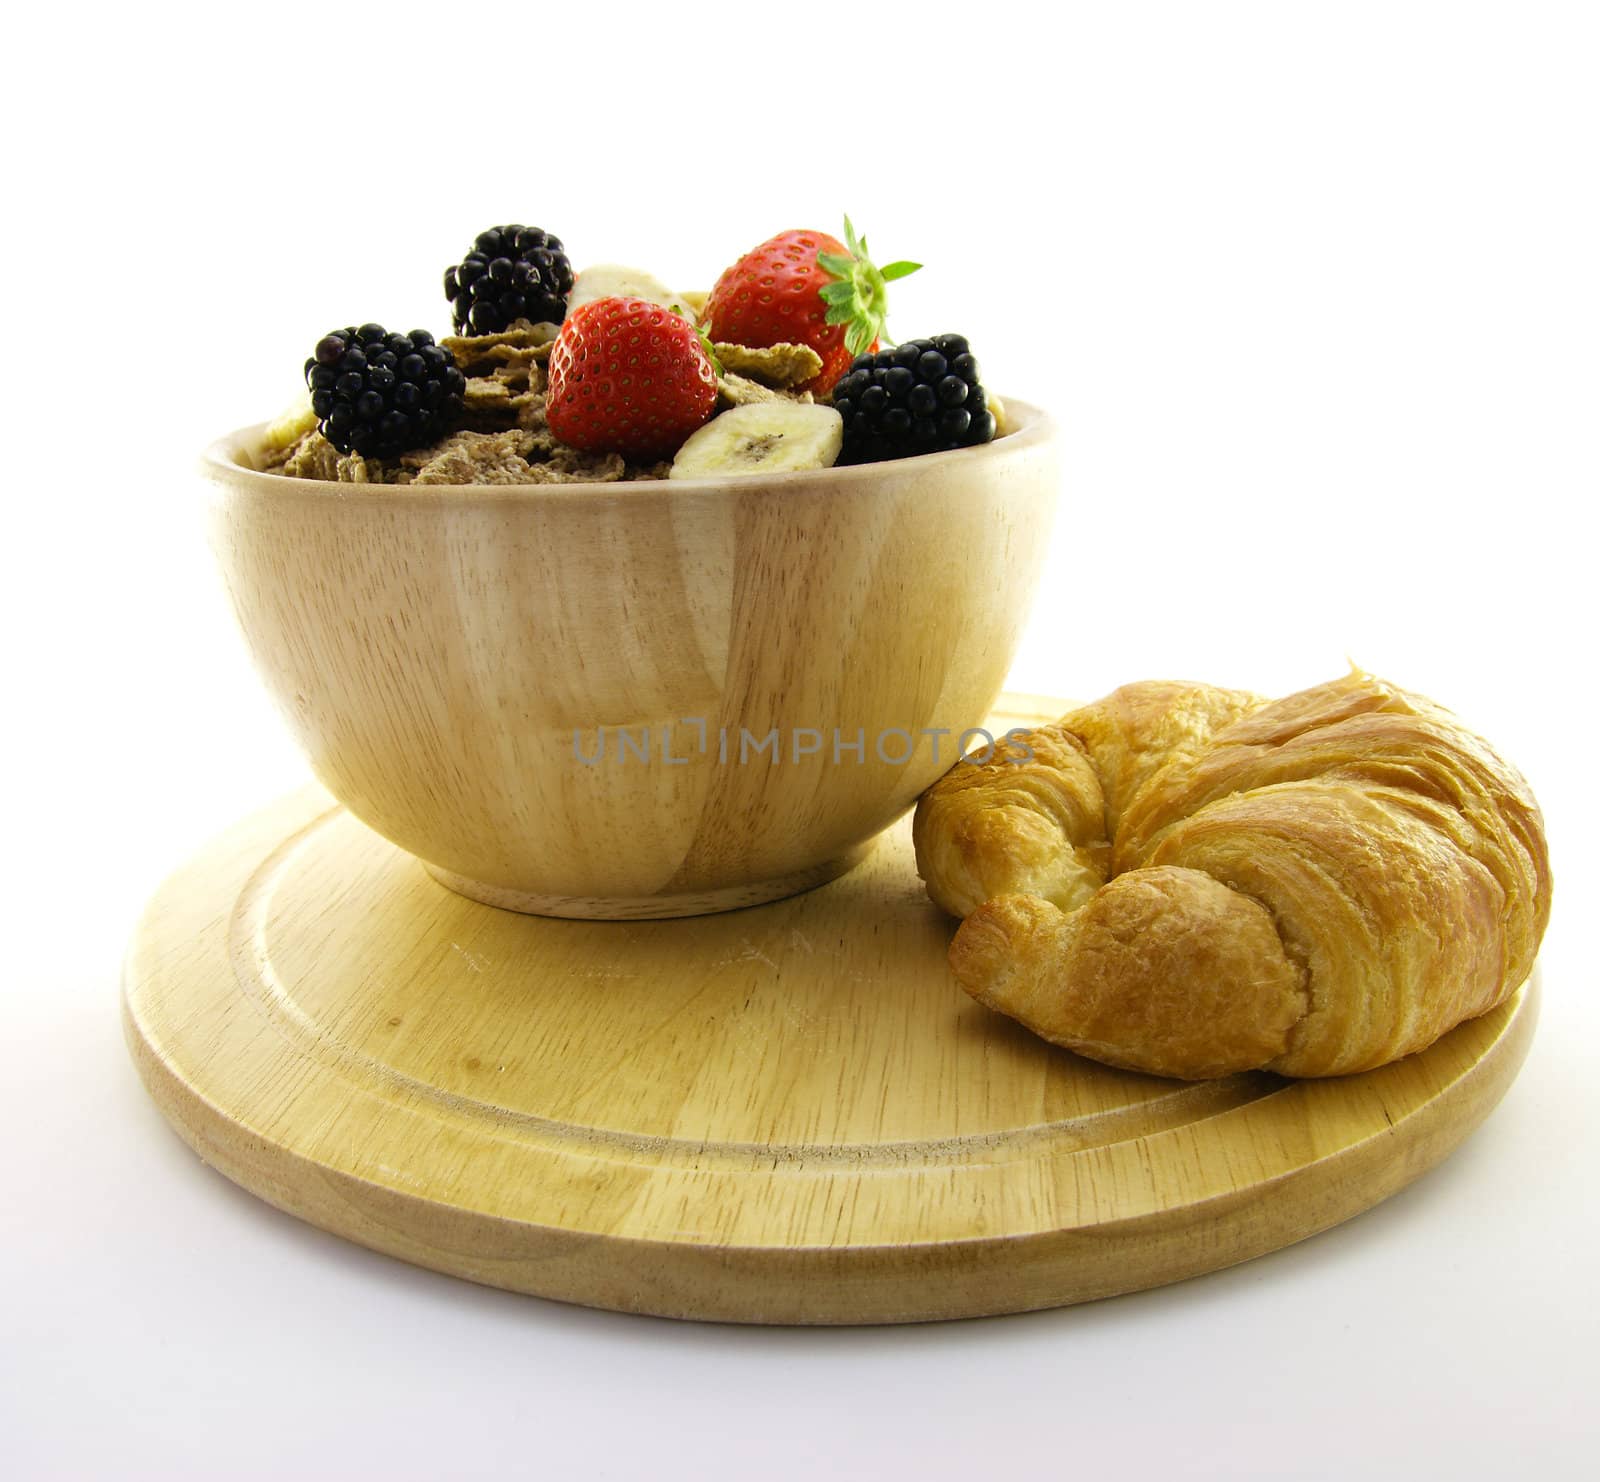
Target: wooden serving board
[(789, 1113)]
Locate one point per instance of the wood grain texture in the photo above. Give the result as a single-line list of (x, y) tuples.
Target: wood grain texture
[(784, 1114), (446, 657)]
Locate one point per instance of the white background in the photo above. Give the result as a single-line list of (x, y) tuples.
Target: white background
[(1314, 291)]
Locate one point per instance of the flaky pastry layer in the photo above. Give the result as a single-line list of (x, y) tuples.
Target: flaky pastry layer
[(1194, 881)]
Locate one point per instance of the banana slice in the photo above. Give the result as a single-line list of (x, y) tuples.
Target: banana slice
[(293, 422), (611, 280), (763, 437)]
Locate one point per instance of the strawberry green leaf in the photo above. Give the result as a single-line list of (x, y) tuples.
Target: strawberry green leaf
[(858, 300)]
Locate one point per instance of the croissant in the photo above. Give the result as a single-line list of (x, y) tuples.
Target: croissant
[(1194, 881)]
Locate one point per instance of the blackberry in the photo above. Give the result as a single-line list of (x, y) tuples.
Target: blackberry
[(379, 394), (512, 272), (920, 397)]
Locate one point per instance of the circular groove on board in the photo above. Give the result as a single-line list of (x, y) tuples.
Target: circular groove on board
[(1182, 1105)]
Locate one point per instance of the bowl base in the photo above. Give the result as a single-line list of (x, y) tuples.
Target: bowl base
[(653, 907)]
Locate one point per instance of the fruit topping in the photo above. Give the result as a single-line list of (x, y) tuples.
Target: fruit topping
[(923, 396), (805, 287), (611, 280), (763, 437), (629, 376), (378, 394), (512, 272)]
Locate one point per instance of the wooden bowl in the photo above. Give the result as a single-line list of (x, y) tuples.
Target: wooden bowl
[(563, 699)]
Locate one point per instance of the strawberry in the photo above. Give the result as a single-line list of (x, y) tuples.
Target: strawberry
[(806, 288), (628, 376)]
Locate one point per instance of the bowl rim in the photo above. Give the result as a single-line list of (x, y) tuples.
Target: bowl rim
[(1030, 427)]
